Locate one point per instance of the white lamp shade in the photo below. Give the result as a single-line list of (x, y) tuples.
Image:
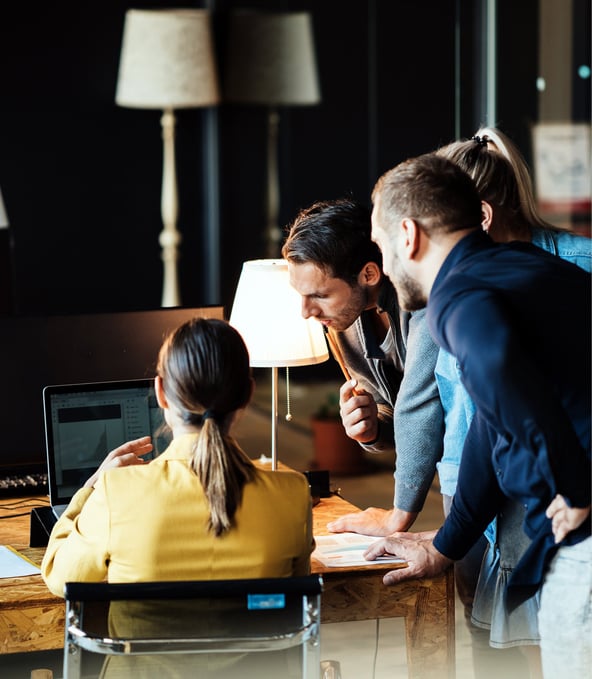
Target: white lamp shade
[(271, 59), (3, 215), (167, 60), (267, 313)]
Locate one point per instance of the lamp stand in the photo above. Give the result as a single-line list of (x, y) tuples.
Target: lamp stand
[(273, 234), (169, 238), (274, 418)]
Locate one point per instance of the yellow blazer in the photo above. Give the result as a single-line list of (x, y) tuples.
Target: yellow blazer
[(149, 523)]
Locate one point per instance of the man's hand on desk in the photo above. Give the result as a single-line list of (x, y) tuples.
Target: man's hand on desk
[(374, 521), (424, 560)]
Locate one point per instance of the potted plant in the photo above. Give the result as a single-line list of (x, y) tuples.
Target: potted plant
[(333, 449)]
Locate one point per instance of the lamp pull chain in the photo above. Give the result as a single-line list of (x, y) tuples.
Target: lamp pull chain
[(288, 413)]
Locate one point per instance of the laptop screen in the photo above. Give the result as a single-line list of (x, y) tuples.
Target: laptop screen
[(84, 422), (68, 349)]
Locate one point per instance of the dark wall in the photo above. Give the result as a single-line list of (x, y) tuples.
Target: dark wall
[(517, 101), (81, 176), (379, 97)]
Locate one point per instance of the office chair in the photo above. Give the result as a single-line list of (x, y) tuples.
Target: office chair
[(265, 628)]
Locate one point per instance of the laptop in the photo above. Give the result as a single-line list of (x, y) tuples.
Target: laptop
[(84, 422)]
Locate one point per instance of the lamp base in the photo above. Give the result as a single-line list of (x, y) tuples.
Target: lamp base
[(169, 238), (273, 234)]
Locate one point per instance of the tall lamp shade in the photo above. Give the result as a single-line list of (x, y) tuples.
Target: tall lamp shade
[(271, 61), (167, 62), (267, 312)]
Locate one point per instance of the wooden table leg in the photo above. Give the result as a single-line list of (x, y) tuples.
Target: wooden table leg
[(426, 605), (429, 630)]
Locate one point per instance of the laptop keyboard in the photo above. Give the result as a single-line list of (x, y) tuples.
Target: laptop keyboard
[(25, 484)]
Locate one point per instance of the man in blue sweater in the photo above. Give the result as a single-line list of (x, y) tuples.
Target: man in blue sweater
[(518, 322)]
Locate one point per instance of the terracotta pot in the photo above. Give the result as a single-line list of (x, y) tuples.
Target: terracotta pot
[(334, 450)]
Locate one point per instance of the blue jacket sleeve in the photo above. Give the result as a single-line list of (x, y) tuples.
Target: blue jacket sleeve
[(478, 496)]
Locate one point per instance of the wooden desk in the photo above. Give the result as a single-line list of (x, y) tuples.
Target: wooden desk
[(358, 594), (32, 619)]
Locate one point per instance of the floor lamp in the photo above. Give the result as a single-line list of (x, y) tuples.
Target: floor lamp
[(3, 216), (266, 311), (271, 61), (167, 62)]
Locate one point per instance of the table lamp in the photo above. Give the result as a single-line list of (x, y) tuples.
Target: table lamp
[(271, 61), (167, 62), (267, 312)]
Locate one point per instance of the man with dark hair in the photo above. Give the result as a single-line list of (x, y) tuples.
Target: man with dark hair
[(390, 400), (517, 320)]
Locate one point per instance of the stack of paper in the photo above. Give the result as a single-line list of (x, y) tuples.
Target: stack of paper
[(13, 564), (347, 549)]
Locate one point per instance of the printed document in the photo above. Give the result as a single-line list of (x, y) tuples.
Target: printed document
[(347, 549)]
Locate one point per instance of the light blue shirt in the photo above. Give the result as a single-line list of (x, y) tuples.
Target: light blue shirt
[(457, 404)]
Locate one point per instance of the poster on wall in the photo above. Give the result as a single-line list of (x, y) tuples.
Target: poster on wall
[(563, 174)]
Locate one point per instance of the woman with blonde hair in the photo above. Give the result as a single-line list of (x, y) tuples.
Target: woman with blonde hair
[(509, 206), (202, 509)]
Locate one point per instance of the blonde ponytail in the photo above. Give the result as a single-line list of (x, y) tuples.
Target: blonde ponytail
[(204, 363), (223, 469)]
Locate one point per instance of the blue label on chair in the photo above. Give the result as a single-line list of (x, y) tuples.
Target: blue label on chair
[(262, 602)]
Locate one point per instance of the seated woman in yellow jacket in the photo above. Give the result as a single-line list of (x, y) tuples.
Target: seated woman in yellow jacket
[(201, 510)]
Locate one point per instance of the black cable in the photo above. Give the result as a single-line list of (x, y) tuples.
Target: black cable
[(26, 502), (12, 516)]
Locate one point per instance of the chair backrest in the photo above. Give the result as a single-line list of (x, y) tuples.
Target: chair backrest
[(267, 627)]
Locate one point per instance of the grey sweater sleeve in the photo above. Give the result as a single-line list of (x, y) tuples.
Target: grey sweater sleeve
[(418, 419)]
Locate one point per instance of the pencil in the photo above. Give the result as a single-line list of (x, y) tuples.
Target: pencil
[(337, 355)]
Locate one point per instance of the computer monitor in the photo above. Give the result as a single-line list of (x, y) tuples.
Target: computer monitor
[(36, 351)]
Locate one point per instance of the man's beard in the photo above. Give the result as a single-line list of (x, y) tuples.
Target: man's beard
[(352, 311), (409, 293)]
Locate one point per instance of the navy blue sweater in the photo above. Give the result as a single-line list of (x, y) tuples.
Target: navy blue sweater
[(518, 321)]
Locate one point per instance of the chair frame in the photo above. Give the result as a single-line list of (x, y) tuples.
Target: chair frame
[(306, 634)]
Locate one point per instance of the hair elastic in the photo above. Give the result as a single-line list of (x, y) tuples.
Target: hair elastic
[(482, 141), (209, 414)]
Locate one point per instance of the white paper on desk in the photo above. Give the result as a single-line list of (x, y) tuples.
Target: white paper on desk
[(14, 565), (347, 549)]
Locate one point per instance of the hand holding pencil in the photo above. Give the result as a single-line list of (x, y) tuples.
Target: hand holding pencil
[(358, 409)]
